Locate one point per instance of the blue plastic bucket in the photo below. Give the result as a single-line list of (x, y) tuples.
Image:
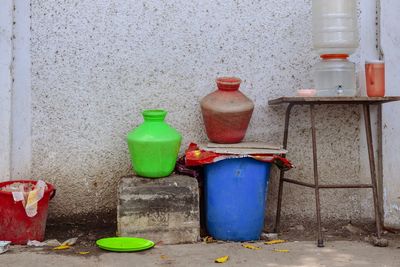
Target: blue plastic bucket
[(235, 198)]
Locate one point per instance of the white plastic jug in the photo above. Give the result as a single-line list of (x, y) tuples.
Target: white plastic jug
[(335, 26), (334, 75)]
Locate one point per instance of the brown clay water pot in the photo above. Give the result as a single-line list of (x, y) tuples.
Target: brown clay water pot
[(226, 112)]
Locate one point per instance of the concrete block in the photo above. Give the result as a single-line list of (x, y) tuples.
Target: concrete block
[(165, 209)]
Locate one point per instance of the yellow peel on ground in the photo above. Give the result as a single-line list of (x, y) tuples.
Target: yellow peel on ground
[(276, 241), (281, 250), (62, 247), (209, 239), (250, 246), (83, 252), (222, 259)]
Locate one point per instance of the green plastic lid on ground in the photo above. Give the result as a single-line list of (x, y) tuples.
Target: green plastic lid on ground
[(124, 244)]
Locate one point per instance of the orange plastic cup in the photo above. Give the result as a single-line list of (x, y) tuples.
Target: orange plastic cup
[(375, 78)]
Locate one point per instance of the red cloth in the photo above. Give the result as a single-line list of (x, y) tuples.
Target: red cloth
[(194, 156)]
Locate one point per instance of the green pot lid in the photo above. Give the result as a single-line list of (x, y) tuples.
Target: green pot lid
[(124, 244)]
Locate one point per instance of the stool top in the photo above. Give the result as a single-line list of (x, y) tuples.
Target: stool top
[(317, 100)]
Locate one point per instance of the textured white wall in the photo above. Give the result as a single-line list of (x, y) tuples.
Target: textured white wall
[(97, 64), (21, 92), (5, 88), (391, 142), (15, 90)]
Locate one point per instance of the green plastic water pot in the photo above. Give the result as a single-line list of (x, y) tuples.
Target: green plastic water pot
[(154, 145)]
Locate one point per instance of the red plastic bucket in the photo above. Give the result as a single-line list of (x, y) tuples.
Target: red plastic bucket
[(15, 225)]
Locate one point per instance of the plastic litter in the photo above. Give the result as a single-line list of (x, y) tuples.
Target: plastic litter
[(62, 247), (29, 194), (269, 236), (69, 242), (281, 250), (222, 259), (276, 241), (209, 239), (47, 243), (250, 247), (4, 246)]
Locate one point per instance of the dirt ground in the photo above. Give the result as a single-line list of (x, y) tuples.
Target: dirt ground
[(340, 231), (290, 254), (344, 246)]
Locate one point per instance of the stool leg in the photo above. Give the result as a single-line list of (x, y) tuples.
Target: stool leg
[(367, 122), (282, 173), (315, 164)]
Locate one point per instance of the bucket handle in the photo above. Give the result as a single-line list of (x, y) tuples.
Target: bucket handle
[(53, 194)]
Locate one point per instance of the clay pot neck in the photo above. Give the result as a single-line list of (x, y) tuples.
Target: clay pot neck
[(154, 115), (228, 83)]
